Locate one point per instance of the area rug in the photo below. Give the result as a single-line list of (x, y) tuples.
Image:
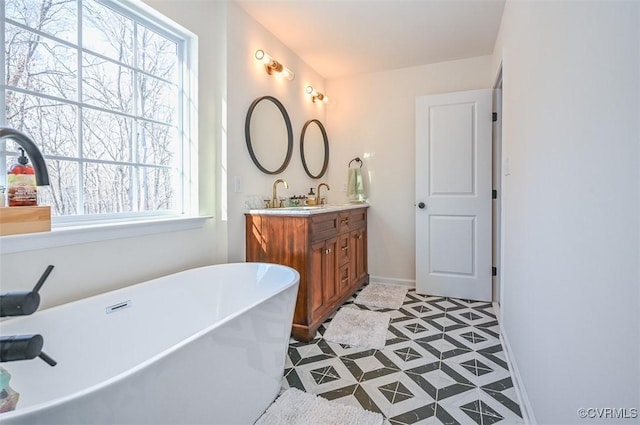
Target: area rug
[(295, 407), (360, 328), (381, 295)]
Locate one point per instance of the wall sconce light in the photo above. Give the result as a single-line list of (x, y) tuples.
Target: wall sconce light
[(271, 65), (315, 94)]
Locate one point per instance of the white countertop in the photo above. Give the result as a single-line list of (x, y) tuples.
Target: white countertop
[(307, 210)]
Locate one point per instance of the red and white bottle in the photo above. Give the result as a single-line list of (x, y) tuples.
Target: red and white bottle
[(21, 183)]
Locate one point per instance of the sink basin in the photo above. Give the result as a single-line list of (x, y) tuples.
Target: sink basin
[(303, 207)]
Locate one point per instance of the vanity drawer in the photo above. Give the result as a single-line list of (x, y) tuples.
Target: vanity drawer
[(323, 226), (344, 218), (344, 278), (358, 219), (343, 249)]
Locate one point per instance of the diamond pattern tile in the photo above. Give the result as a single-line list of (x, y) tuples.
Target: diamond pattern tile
[(407, 354), (395, 392), (473, 337), (476, 367), (481, 412), (325, 374), (443, 363)]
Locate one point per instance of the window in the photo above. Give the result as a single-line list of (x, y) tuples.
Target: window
[(101, 87)]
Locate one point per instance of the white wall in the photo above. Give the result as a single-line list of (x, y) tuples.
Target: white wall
[(372, 116), (572, 203), (91, 268), (229, 38), (229, 80), (248, 81)]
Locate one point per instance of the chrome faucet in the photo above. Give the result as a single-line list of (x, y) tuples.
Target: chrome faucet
[(34, 154), (318, 197), (274, 201)]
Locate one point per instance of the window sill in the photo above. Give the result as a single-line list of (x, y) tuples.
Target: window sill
[(64, 236)]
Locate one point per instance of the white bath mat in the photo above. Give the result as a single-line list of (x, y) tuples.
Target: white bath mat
[(361, 328), (381, 295), (295, 407)]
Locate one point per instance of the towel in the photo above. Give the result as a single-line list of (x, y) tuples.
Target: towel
[(355, 187), (8, 397)]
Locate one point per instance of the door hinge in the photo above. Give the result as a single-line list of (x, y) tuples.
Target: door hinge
[(494, 271), (494, 194), (494, 116)]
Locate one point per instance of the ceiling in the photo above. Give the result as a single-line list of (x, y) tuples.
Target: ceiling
[(338, 38)]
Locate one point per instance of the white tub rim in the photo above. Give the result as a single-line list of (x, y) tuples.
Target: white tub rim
[(140, 366)]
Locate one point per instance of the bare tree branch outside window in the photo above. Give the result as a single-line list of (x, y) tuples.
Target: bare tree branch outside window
[(104, 109)]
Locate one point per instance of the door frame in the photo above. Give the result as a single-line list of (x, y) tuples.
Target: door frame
[(497, 212)]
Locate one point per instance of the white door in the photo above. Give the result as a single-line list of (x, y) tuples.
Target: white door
[(453, 195)]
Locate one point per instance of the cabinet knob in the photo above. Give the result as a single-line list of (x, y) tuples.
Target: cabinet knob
[(344, 248), (327, 251)]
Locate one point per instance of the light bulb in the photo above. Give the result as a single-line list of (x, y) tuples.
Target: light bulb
[(288, 74), (273, 66), (315, 94), (263, 57)]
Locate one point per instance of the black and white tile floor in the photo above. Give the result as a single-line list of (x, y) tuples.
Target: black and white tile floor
[(442, 363)]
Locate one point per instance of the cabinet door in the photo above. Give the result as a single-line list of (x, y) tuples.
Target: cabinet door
[(358, 255), (254, 242), (323, 288), (314, 281), (331, 255)]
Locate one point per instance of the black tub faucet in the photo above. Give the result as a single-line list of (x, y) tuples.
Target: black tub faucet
[(23, 347), (23, 303), (34, 154)]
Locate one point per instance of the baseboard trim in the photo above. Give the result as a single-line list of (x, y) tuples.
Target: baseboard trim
[(393, 281), (521, 392)]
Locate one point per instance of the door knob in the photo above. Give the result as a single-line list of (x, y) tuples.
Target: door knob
[(421, 205)]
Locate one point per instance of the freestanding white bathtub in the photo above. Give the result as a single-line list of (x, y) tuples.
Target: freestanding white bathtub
[(204, 346)]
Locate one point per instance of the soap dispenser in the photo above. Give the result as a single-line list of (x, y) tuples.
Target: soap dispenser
[(21, 183), (311, 197)]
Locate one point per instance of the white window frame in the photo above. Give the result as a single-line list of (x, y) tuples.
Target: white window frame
[(146, 16), (85, 228)]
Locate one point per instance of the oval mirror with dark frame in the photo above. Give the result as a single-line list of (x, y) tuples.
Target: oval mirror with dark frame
[(267, 141), (314, 149)]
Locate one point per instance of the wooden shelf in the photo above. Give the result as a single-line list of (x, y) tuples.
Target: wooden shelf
[(19, 220)]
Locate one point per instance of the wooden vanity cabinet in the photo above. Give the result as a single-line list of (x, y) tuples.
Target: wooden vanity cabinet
[(322, 288), (329, 250)]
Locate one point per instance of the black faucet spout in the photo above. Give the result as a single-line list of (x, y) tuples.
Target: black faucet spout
[(23, 347), (20, 303), (32, 151)]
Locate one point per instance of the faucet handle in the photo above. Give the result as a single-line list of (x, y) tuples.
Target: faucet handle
[(23, 303), (42, 279)]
